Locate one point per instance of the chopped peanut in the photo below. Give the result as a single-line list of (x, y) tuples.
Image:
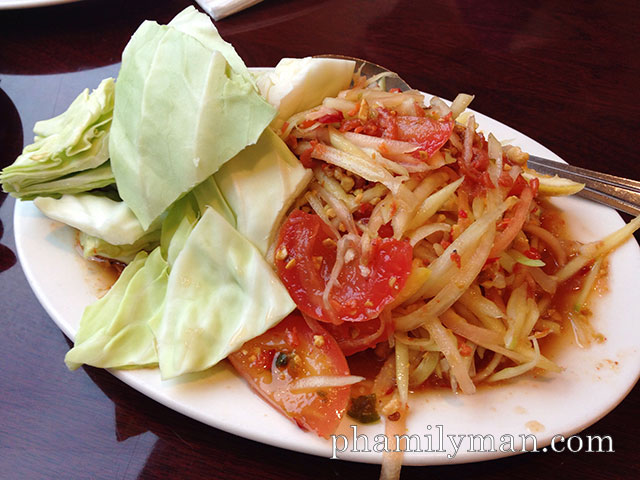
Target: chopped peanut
[(290, 263), (347, 183), (281, 254), (329, 242)]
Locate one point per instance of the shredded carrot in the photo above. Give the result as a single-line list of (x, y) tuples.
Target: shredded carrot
[(307, 123)]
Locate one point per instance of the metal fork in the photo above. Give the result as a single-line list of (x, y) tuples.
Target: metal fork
[(617, 192)]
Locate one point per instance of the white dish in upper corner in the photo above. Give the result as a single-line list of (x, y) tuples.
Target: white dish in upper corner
[(15, 4), (595, 380)]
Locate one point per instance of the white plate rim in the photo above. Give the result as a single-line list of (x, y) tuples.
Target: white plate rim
[(41, 243), (16, 4)]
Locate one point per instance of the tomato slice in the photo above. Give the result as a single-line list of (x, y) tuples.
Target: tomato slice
[(287, 352), (430, 133), (356, 337), (305, 256), (333, 117)]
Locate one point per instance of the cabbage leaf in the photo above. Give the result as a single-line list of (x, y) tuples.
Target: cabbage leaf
[(95, 215), (114, 332), (183, 215), (181, 112), (193, 23), (298, 84), (260, 184), (97, 247), (78, 182), (221, 293)]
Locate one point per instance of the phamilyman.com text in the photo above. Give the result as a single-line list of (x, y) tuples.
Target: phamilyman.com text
[(436, 441)]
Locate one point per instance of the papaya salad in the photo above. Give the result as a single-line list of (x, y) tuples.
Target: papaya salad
[(428, 244), (340, 243)]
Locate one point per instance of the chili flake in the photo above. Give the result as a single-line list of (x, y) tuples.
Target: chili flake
[(455, 256)]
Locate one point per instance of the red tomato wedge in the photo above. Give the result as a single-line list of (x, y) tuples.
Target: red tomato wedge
[(287, 352), (430, 133), (305, 256)]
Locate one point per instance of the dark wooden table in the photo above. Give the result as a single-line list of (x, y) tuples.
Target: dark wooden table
[(564, 73)]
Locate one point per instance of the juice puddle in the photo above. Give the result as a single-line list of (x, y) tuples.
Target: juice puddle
[(102, 274)]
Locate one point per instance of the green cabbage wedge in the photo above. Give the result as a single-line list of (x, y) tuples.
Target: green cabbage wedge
[(75, 141), (181, 112), (197, 297), (79, 182), (221, 293), (114, 332)]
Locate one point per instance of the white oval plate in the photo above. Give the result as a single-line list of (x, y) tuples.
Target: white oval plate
[(594, 381)]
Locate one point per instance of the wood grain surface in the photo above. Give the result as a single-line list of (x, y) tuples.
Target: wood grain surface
[(563, 73)]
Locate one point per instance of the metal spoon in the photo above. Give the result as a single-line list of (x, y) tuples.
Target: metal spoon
[(369, 69)]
